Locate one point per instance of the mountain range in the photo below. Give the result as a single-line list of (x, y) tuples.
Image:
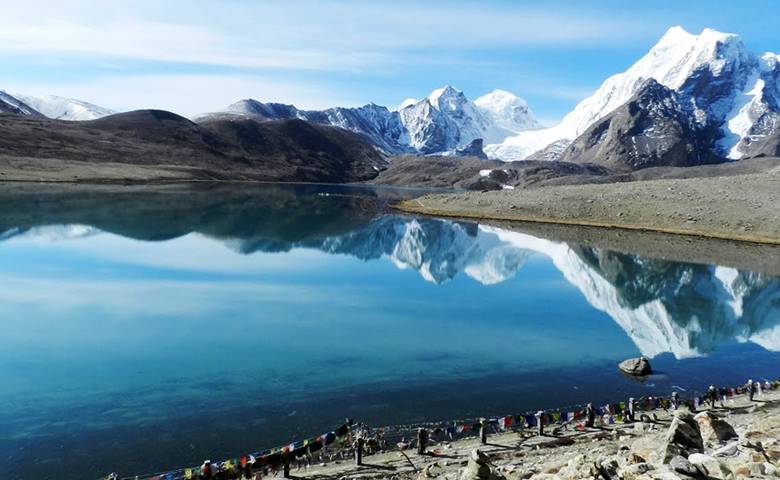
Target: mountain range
[(691, 100), (721, 98), (51, 106), (443, 122)]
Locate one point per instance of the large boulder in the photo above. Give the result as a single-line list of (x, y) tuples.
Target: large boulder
[(714, 429), (683, 437), (478, 468), (681, 464), (638, 367), (709, 466)]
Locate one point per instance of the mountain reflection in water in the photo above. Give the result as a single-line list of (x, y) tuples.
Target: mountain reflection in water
[(184, 322), (663, 306)]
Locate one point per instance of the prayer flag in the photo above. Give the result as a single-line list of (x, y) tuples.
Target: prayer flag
[(508, 420), (530, 420), (243, 461), (502, 423), (188, 473), (459, 429)]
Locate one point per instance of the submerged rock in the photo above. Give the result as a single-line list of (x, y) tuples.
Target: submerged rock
[(638, 367)]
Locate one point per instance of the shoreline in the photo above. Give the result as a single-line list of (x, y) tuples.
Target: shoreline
[(408, 206), (517, 451), (740, 208)]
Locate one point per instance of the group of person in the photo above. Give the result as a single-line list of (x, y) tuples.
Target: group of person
[(367, 441)]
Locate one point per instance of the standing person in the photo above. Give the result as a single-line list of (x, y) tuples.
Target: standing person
[(675, 401), (482, 431), (590, 416), (712, 394), (751, 389), (359, 442), (422, 440), (631, 408), (540, 422), (205, 470)]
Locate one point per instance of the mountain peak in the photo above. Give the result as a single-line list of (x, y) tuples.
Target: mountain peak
[(445, 93), (406, 103)]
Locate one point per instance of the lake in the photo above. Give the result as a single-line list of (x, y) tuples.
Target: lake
[(150, 328)]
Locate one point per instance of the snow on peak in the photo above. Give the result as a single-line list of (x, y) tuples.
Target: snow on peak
[(674, 60), (61, 108), (446, 98), (507, 111), (406, 103), (11, 104)]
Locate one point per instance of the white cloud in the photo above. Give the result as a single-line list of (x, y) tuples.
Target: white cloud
[(306, 35)]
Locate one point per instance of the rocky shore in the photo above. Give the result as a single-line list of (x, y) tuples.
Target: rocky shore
[(740, 439), (738, 207)]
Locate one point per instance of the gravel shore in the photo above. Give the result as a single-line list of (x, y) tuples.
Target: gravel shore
[(623, 451), (738, 207)]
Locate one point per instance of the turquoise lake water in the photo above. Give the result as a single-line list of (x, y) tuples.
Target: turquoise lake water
[(149, 329)]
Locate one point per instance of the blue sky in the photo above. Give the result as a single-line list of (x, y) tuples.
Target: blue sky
[(195, 56)]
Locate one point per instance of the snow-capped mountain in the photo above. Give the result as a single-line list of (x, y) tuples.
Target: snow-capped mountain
[(444, 121), (10, 104), (61, 108), (729, 93), (507, 111)]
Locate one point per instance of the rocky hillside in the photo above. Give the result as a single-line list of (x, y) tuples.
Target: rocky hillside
[(165, 146), (650, 130), (729, 95)]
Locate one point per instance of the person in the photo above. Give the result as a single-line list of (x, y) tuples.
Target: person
[(712, 394), (630, 410), (482, 431), (359, 442), (422, 440), (205, 470), (540, 422), (750, 388), (675, 401), (590, 416)]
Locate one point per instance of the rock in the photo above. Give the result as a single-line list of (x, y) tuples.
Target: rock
[(714, 429), (635, 471), (681, 465), (608, 469), (741, 471), (728, 450), (478, 468), (683, 437), (638, 367), (473, 149), (709, 466), (756, 469), (770, 469)]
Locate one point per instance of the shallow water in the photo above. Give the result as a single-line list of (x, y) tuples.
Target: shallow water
[(148, 329)]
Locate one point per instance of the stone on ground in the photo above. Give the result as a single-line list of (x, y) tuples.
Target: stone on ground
[(714, 429)]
